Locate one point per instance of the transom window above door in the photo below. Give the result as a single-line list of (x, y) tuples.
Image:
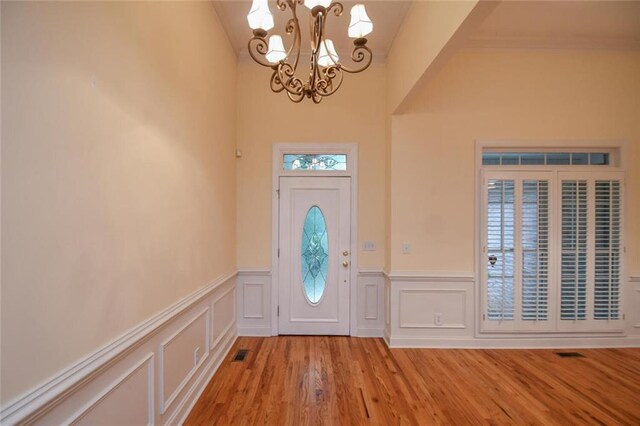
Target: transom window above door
[(547, 158), (314, 162)]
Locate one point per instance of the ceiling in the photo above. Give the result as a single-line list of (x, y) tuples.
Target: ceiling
[(387, 16), (547, 24), (561, 24)]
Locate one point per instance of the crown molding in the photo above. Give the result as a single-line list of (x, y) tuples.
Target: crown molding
[(552, 43)]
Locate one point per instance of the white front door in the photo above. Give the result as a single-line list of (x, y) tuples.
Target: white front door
[(314, 255)]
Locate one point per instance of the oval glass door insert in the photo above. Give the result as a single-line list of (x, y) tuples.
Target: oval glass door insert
[(314, 255)]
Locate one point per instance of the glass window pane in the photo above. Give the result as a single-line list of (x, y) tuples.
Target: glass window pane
[(599, 159), (316, 162), (314, 255), (532, 158), (490, 159), (510, 159), (579, 158), (558, 158)]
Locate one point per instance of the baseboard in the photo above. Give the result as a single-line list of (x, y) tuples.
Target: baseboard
[(61, 396), (370, 332), (254, 331), (471, 343)]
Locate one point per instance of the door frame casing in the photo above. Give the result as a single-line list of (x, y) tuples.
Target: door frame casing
[(279, 149)]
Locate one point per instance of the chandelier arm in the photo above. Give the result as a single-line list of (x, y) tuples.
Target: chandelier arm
[(332, 81), (361, 54), (286, 75), (317, 31), (293, 26), (275, 84), (282, 4), (258, 46), (296, 98), (337, 8)]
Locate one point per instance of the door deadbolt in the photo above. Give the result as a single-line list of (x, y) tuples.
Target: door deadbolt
[(345, 263), (345, 253)]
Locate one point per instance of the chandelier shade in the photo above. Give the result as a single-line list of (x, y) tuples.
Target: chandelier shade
[(326, 71), (328, 55), (360, 24), (313, 3), (260, 16), (276, 51)]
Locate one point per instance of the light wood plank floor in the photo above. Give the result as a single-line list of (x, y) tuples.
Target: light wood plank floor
[(348, 381)]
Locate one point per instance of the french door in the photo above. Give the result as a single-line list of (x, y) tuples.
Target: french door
[(551, 251), (314, 257)]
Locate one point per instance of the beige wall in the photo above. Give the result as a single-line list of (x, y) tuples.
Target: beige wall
[(118, 172), (355, 114), (501, 95), (424, 34)]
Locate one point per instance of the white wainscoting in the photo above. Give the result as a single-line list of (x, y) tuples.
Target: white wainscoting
[(153, 374), (437, 310), (428, 307), (255, 310), (370, 304), (632, 305), (253, 290)]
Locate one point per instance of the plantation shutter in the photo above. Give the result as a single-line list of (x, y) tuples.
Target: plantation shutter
[(518, 251), (501, 246), (591, 265), (535, 249), (573, 286), (607, 250)]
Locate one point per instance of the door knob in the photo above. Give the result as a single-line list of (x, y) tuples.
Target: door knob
[(345, 253), (345, 263)]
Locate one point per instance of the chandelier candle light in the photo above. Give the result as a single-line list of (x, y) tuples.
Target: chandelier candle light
[(326, 71)]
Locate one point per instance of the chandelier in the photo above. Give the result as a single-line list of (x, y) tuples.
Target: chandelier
[(326, 71)]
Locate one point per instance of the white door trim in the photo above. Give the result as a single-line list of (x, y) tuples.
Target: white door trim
[(279, 149)]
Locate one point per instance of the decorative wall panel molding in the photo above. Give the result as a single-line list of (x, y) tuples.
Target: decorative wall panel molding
[(370, 303), (253, 296), (224, 315), (190, 338), (110, 401), (254, 308), (432, 308), (83, 389)]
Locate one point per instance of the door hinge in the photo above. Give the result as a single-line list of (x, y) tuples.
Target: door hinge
[(278, 252), (484, 316), (278, 192), (624, 316), (278, 309)]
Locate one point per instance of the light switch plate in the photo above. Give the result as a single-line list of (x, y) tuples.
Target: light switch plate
[(369, 246)]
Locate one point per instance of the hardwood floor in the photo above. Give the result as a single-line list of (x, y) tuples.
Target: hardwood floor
[(349, 381)]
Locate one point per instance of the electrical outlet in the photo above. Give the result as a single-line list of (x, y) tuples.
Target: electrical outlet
[(196, 356), (406, 248), (437, 319), (369, 246)]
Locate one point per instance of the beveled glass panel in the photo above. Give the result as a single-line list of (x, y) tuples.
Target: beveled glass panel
[(314, 255), (315, 162)]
